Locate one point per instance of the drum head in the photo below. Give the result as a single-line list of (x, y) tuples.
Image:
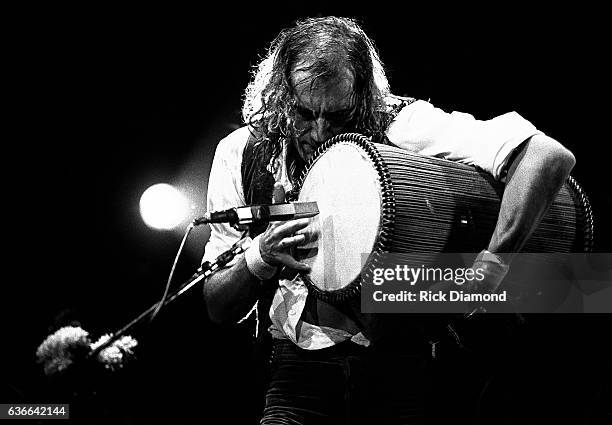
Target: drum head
[(345, 184)]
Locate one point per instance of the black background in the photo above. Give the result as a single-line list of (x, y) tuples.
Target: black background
[(108, 102)]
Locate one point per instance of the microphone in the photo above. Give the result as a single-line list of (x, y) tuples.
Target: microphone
[(255, 214)]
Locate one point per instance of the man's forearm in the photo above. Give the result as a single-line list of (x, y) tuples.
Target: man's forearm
[(231, 292), (534, 179)]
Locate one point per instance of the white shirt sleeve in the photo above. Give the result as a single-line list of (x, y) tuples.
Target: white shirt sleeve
[(225, 191), (423, 129)]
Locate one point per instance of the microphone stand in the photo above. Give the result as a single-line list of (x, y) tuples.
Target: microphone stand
[(236, 217), (205, 270)]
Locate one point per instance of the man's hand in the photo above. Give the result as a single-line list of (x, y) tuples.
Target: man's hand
[(276, 242)]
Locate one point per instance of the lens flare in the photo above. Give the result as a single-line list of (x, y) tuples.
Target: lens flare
[(163, 207)]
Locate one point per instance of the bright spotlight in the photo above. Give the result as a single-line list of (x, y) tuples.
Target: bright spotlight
[(163, 207)]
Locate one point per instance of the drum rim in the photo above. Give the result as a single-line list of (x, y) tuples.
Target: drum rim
[(386, 228), (588, 226)]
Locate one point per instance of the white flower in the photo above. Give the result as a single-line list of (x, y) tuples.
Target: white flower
[(60, 349), (113, 356), (69, 344)]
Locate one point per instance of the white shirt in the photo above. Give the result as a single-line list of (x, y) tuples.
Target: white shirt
[(419, 128)]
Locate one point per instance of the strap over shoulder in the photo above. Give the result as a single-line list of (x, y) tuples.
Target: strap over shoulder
[(394, 105)]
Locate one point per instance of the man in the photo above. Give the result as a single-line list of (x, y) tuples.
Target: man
[(321, 78)]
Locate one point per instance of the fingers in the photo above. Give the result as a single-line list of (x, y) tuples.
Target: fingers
[(280, 237), (280, 254), (290, 227), (292, 241), (292, 263), (275, 247), (279, 244), (310, 234), (305, 253)]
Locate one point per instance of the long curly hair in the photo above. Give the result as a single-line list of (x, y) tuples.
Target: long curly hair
[(328, 46)]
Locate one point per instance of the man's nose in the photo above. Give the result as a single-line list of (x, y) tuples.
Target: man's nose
[(320, 130)]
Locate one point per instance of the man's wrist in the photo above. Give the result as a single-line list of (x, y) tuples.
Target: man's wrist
[(255, 263), (486, 255), (494, 269)]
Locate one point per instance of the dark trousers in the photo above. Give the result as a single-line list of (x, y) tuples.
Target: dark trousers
[(547, 375), (348, 384)]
